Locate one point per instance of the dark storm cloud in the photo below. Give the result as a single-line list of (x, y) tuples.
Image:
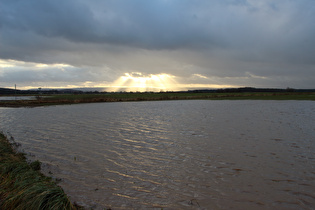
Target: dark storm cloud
[(48, 18), (216, 38), (165, 24), (145, 24)]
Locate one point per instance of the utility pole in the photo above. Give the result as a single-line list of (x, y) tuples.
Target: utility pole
[(15, 91)]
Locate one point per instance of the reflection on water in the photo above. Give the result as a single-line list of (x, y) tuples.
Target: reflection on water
[(175, 154)]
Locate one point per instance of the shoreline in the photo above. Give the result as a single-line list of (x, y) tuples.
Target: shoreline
[(67, 99), (23, 186)]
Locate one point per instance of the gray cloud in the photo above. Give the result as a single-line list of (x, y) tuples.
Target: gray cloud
[(221, 39)]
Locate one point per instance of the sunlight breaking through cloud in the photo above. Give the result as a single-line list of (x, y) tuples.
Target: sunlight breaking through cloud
[(200, 76), (136, 81)]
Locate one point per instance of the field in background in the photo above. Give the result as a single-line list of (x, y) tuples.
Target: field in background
[(58, 99)]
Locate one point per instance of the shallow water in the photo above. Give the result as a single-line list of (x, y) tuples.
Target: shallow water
[(15, 98), (175, 154)]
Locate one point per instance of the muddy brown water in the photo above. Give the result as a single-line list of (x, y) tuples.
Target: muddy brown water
[(174, 154)]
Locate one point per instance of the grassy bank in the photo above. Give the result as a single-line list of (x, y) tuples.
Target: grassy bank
[(23, 186), (119, 97)]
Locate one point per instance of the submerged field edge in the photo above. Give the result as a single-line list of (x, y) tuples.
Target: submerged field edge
[(61, 99), (23, 186)]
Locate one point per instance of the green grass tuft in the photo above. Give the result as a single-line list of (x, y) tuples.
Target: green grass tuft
[(23, 186), (36, 165)]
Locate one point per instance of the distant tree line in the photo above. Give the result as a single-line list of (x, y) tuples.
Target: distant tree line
[(8, 91), (251, 90)]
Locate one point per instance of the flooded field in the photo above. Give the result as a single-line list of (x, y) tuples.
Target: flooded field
[(174, 154), (14, 98)]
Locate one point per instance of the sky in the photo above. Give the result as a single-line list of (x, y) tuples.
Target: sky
[(157, 45)]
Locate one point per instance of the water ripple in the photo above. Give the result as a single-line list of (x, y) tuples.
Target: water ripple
[(174, 154)]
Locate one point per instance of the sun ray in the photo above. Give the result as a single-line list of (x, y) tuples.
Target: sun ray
[(136, 81)]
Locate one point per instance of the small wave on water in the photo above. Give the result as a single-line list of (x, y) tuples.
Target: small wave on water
[(175, 154)]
